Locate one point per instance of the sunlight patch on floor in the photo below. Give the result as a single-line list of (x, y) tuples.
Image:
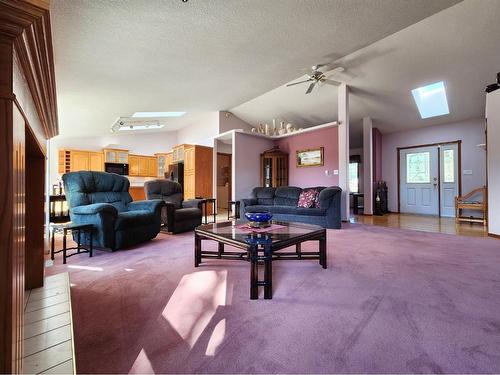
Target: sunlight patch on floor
[(87, 268), (217, 338), (142, 364), (194, 303)]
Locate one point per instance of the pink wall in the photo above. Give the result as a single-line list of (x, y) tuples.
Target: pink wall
[(246, 162), (377, 154), (471, 133), (313, 176)]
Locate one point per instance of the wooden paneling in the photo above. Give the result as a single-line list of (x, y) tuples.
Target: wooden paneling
[(35, 180), (24, 33)]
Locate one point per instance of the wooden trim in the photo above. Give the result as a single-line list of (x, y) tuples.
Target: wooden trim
[(494, 235), (27, 24), (459, 161), (430, 144), (439, 181)]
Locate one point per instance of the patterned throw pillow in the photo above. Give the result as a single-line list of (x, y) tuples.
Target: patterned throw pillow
[(307, 198), (316, 200)]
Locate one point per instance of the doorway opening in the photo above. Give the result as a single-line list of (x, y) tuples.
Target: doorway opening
[(429, 178)]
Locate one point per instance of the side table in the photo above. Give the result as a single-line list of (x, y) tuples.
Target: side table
[(236, 212), (204, 204), (64, 229)]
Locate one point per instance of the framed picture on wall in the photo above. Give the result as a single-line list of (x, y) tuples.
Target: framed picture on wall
[(312, 157)]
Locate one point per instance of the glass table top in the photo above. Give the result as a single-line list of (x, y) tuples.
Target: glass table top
[(240, 232)]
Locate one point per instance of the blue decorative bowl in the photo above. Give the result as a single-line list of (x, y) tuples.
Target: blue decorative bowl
[(259, 217)]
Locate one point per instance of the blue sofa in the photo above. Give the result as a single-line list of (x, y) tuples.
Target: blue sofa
[(282, 203), (102, 199)]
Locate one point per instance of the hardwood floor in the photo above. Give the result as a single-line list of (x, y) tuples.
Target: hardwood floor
[(424, 223)]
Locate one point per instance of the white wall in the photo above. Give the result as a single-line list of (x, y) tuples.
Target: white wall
[(470, 132), (228, 121), (142, 144), (201, 130), (493, 117), (246, 162)]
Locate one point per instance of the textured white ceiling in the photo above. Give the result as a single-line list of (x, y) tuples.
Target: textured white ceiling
[(459, 46), (115, 58)]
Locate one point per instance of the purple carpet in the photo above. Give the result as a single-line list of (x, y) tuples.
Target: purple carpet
[(391, 301)]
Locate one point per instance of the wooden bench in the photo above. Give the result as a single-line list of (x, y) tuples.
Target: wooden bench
[(462, 203)]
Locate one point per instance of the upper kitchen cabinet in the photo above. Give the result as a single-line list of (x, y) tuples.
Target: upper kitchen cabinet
[(112, 155)]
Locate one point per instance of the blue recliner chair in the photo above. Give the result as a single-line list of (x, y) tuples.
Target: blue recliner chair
[(102, 199)]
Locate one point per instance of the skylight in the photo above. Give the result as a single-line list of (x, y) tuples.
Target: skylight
[(431, 100), (158, 114)]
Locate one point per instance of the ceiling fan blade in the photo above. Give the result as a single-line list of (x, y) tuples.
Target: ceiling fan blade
[(297, 83), (331, 82), (311, 86), (338, 69)]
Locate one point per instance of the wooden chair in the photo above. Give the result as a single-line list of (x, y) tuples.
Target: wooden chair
[(463, 203)]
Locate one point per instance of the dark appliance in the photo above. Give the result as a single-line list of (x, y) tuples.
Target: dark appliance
[(380, 198), (176, 173), (118, 168)]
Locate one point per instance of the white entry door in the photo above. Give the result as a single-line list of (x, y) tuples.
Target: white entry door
[(448, 155), (419, 180)]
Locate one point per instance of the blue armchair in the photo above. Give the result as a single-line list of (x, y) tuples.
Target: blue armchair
[(102, 199)]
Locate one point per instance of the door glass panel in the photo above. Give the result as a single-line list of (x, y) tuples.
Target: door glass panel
[(449, 166), (418, 168), (353, 177)]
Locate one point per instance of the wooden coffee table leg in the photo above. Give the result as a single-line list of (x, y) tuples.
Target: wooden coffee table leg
[(322, 251), (268, 273), (254, 272), (197, 250), (220, 250), (298, 250)]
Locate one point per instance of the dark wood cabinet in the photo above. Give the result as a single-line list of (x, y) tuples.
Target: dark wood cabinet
[(274, 168)]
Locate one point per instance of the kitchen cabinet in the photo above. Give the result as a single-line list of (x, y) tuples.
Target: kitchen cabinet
[(198, 171), (96, 161), (152, 170), (133, 165), (178, 152), (80, 160), (112, 155), (142, 166), (163, 160)]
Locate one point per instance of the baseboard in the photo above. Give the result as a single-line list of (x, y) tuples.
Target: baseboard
[(494, 235)]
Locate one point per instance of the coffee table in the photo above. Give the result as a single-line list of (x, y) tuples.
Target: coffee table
[(260, 247)]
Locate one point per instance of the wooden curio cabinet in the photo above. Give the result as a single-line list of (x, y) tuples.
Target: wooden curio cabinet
[(274, 168)]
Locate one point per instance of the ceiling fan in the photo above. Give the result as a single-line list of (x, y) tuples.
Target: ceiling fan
[(316, 76)]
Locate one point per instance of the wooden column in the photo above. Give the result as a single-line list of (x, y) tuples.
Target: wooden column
[(26, 87)]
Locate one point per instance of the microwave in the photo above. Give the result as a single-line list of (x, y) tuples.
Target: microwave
[(118, 168)]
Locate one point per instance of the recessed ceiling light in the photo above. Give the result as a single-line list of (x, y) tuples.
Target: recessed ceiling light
[(158, 114), (431, 100)]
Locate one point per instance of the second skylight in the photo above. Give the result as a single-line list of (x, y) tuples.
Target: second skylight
[(431, 100)]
